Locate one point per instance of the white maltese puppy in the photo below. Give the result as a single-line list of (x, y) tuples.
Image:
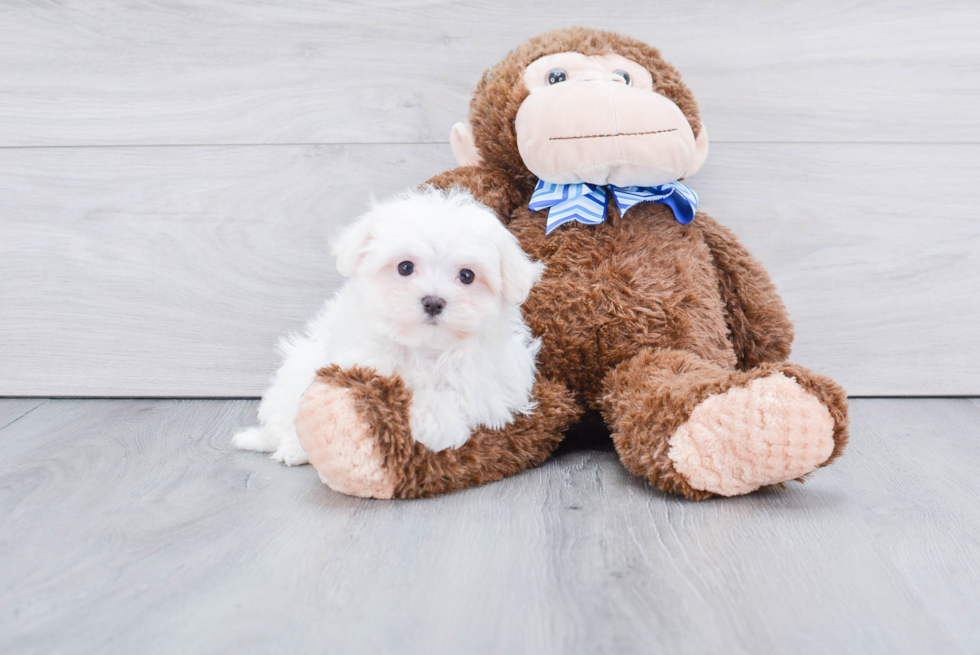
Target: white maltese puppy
[(436, 283)]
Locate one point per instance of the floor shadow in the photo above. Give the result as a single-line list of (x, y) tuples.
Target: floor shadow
[(590, 433)]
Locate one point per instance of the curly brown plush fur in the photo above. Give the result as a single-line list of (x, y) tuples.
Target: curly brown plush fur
[(614, 293), (642, 318), (648, 397), (383, 404)]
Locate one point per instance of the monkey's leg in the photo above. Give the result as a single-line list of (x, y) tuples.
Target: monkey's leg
[(696, 429), (354, 426)]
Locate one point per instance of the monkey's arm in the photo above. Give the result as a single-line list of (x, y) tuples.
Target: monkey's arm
[(760, 328), (355, 427), (493, 188)]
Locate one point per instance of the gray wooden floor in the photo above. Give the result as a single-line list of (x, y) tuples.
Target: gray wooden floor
[(131, 526)]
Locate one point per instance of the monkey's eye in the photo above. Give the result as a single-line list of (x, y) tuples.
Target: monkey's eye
[(466, 276), (624, 75), (406, 268), (556, 75)]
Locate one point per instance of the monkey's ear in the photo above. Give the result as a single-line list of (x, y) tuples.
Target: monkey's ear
[(461, 140), (700, 152), (349, 245)]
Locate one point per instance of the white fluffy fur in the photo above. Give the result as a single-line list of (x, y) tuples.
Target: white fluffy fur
[(472, 365)]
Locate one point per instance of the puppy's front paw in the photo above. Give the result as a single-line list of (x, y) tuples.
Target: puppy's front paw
[(437, 430), (291, 453)]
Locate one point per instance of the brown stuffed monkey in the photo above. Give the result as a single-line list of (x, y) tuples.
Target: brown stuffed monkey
[(669, 329)]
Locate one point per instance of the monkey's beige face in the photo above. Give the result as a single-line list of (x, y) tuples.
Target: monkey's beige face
[(597, 119)]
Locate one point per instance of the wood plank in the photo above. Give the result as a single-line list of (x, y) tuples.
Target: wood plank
[(926, 453), (305, 71), (880, 270), (173, 271), (12, 409), (132, 526)]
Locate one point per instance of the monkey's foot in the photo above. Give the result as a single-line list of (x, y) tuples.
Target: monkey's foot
[(768, 432), (350, 424), (698, 429)]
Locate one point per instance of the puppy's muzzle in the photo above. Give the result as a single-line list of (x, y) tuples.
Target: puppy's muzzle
[(433, 305)]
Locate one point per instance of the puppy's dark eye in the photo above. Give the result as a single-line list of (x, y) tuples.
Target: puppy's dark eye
[(556, 75), (406, 268), (624, 75), (466, 276)]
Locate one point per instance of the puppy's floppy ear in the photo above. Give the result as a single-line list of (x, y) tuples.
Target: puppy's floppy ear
[(517, 272), (349, 245)]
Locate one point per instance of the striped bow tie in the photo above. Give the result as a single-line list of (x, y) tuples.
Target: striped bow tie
[(586, 203)]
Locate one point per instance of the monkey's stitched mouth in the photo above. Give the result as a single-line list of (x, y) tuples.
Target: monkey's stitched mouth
[(605, 136)]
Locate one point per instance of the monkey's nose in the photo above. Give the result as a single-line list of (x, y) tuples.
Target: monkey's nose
[(433, 305)]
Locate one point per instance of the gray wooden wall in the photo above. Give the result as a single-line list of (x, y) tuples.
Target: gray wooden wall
[(170, 173)]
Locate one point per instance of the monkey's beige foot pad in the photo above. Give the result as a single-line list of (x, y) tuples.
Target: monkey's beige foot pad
[(748, 437), (340, 444), (353, 425)]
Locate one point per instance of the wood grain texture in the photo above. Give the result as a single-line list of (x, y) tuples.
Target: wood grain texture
[(173, 271), (132, 526), (13, 409), (305, 71)]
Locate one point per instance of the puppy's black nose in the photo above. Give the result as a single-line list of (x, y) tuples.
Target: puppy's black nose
[(433, 305)]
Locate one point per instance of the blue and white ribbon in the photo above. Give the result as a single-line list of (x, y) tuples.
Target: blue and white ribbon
[(586, 203)]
